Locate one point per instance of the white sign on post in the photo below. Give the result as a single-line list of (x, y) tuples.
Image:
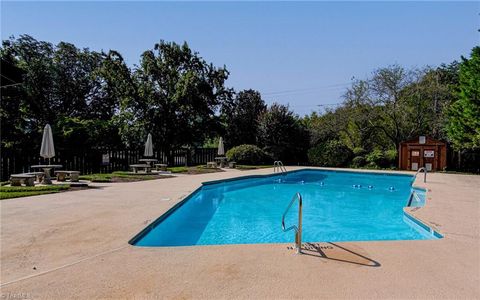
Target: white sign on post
[(105, 159)]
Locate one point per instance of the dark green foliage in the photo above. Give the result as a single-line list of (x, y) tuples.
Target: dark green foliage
[(395, 105), (93, 99), (282, 135), (84, 133), (332, 153), (248, 154), (173, 94), (463, 126), (358, 162), (62, 86), (358, 151), (375, 158), (241, 116), (390, 156)]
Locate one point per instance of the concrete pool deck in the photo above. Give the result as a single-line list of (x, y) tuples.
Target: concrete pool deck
[(75, 245)]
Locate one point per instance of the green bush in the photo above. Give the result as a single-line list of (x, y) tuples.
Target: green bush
[(381, 159), (358, 162), (358, 151), (391, 156), (332, 153), (375, 158), (248, 154)]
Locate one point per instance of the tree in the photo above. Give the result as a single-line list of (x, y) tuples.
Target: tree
[(426, 101), (378, 113), (387, 85), (282, 134), (241, 115), (173, 94), (61, 86), (10, 113), (124, 87), (463, 126), (331, 153)]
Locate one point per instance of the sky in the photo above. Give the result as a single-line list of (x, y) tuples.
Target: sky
[(304, 54)]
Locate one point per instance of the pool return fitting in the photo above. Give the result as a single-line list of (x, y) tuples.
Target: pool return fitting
[(298, 228)]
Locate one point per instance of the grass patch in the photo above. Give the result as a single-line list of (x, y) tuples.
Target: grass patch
[(253, 167), (120, 176), (178, 169), (201, 169), (8, 192)]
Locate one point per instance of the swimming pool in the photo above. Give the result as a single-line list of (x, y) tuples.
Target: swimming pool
[(337, 206)]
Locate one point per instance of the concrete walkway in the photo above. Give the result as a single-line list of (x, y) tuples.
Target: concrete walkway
[(75, 245)]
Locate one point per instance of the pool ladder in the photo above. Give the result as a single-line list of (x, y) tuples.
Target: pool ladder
[(279, 167), (424, 176), (297, 228), (413, 194)]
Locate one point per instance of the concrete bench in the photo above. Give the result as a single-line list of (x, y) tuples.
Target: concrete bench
[(72, 175), (211, 164), (146, 167), (232, 164), (18, 179), (161, 167), (39, 175)]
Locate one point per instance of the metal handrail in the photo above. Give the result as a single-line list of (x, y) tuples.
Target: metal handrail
[(424, 176), (298, 229), (278, 166)]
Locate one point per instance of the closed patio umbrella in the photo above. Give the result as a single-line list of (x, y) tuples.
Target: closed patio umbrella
[(221, 148), (148, 146), (47, 150)]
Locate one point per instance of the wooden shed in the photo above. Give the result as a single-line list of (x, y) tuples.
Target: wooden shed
[(422, 152)]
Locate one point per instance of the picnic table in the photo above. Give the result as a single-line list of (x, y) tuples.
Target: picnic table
[(46, 169), (146, 167), (63, 174), (161, 167), (221, 161), (148, 160)]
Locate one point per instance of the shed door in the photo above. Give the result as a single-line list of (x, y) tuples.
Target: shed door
[(414, 159), (429, 157)]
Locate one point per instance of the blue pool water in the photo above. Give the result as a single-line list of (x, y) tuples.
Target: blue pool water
[(337, 206)]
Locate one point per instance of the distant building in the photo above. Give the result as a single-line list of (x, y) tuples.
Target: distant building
[(422, 152)]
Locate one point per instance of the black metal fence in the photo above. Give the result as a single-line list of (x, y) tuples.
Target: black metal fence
[(468, 161), (98, 160)]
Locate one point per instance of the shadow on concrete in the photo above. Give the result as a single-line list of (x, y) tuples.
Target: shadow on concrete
[(332, 251)]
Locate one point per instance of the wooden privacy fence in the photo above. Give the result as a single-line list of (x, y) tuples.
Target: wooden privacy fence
[(98, 160)]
